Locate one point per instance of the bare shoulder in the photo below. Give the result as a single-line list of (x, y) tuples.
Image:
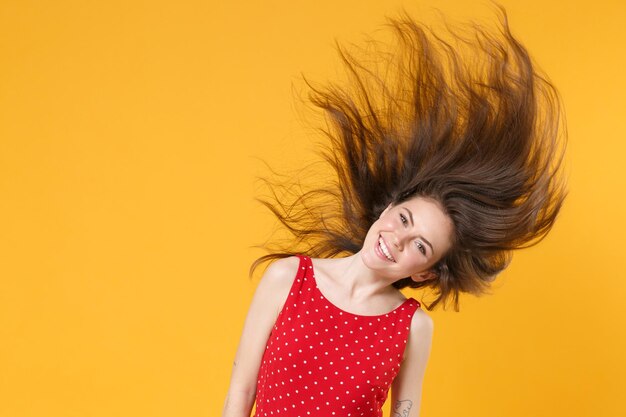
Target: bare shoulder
[(281, 272), (420, 336), (422, 324), (272, 291), (278, 279)]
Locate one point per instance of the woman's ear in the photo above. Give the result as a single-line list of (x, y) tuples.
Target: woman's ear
[(424, 276)]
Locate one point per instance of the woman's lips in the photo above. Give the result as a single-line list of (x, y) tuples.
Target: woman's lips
[(379, 251)]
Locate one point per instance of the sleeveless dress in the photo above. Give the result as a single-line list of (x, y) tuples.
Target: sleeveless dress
[(322, 361)]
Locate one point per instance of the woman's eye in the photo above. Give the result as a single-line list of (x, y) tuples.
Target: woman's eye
[(421, 248), (403, 219)]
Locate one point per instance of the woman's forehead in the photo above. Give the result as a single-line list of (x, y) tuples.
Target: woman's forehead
[(431, 219)]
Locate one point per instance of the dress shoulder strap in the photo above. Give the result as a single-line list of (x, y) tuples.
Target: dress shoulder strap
[(293, 298)]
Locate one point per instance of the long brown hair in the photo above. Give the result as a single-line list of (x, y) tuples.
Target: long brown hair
[(469, 122)]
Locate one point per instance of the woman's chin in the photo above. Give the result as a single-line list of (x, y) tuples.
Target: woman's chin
[(370, 259)]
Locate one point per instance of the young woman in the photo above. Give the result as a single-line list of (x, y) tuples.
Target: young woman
[(447, 157)]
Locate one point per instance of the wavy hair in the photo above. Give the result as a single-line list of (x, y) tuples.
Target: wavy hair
[(463, 117)]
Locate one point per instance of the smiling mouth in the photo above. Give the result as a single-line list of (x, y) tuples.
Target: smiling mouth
[(384, 249)]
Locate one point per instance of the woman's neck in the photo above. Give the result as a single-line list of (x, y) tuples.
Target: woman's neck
[(357, 280)]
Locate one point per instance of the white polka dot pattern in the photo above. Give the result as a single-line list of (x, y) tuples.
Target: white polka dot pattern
[(322, 361)]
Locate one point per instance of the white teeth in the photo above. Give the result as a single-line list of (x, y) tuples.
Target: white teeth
[(384, 248)]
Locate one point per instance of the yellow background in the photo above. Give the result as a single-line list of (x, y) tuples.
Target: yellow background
[(130, 138)]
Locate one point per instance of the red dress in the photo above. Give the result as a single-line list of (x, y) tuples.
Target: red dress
[(322, 361)]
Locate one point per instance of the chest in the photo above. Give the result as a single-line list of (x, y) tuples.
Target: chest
[(316, 342)]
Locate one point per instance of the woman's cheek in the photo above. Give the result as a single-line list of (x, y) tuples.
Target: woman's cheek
[(417, 264)]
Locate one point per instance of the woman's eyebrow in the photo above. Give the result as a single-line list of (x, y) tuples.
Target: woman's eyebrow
[(420, 236)]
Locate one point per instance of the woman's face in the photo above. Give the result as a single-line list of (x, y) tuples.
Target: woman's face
[(408, 239)]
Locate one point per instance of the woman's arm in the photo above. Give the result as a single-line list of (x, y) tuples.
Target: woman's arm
[(406, 389), (268, 299)]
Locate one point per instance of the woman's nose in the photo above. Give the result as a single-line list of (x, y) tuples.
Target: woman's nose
[(401, 238), (397, 242)]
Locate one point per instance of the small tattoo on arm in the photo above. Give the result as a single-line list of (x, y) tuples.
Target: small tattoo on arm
[(401, 408)]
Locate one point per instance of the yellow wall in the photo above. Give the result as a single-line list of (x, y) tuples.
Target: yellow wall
[(129, 132)]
